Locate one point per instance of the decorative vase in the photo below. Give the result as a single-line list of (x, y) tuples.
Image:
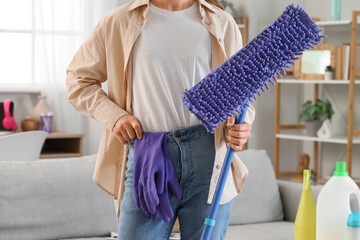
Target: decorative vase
[(41, 107), (325, 129), (335, 10), (312, 127), (328, 75), (29, 124)]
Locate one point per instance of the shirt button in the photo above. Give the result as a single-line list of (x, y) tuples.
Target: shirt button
[(220, 40), (177, 134), (218, 166)]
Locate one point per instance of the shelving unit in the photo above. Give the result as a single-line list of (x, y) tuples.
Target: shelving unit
[(62, 144), (16, 88), (299, 81), (335, 23), (242, 25), (335, 139), (352, 137)]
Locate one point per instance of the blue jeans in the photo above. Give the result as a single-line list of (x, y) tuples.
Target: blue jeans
[(192, 153)]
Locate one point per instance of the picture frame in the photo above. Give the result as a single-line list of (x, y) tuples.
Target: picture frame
[(290, 71), (297, 69)]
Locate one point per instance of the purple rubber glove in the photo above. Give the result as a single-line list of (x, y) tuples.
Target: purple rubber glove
[(154, 174)]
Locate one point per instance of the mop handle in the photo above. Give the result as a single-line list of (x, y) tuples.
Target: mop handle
[(210, 220)]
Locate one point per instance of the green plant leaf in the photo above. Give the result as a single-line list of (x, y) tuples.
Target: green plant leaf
[(321, 110)]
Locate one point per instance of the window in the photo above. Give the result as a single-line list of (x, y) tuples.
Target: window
[(38, 37)]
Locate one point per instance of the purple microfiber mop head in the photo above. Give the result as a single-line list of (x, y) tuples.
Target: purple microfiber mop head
[(226, 90)]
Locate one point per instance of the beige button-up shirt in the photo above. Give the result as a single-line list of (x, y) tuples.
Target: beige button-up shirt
[(105, 56)]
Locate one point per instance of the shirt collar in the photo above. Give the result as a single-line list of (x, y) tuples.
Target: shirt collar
[(207, 5), (139, 3)]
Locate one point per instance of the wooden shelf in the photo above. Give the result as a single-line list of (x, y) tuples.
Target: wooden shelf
[(62, 135), (351, 137), (59, 155), (240, 25), (301, 81), (335, 23), (339, 140), (241, 22), (3, 133), (20, 88), (62, 144)]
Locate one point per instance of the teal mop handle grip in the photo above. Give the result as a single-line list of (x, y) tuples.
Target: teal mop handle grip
[(210, 220)]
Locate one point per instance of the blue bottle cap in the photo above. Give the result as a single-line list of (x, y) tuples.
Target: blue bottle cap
[(354, 220)]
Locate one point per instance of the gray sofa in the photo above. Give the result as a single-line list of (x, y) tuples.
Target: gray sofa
[(53, 199), (56, 199), (266, 208)]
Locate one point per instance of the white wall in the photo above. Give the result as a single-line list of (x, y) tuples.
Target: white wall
[(322, 8)]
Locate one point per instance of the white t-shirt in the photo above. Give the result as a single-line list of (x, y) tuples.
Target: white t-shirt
[(172, 53)]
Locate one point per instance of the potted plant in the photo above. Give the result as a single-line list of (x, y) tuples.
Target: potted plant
[(328, 73), (315, 114), (228, 5)]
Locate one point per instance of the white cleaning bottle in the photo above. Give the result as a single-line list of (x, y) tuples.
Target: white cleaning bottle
[(333, 205), (353, 226)]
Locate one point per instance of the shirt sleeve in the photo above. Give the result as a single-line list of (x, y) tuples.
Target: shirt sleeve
[(232, 37), (84, 76), (238, 37)]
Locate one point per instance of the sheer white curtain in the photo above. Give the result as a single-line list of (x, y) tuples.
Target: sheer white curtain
[(61, 26)]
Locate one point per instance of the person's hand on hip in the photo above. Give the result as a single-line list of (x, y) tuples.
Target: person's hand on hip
[(238, 134), (127, 128)]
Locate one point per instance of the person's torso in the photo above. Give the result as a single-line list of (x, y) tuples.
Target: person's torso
[(172, 53), (115, 37)]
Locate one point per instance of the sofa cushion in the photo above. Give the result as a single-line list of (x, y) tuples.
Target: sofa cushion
[(291, 195), (96, 238), (259, 201), (261, 231), (53, 199), (103, 238)]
